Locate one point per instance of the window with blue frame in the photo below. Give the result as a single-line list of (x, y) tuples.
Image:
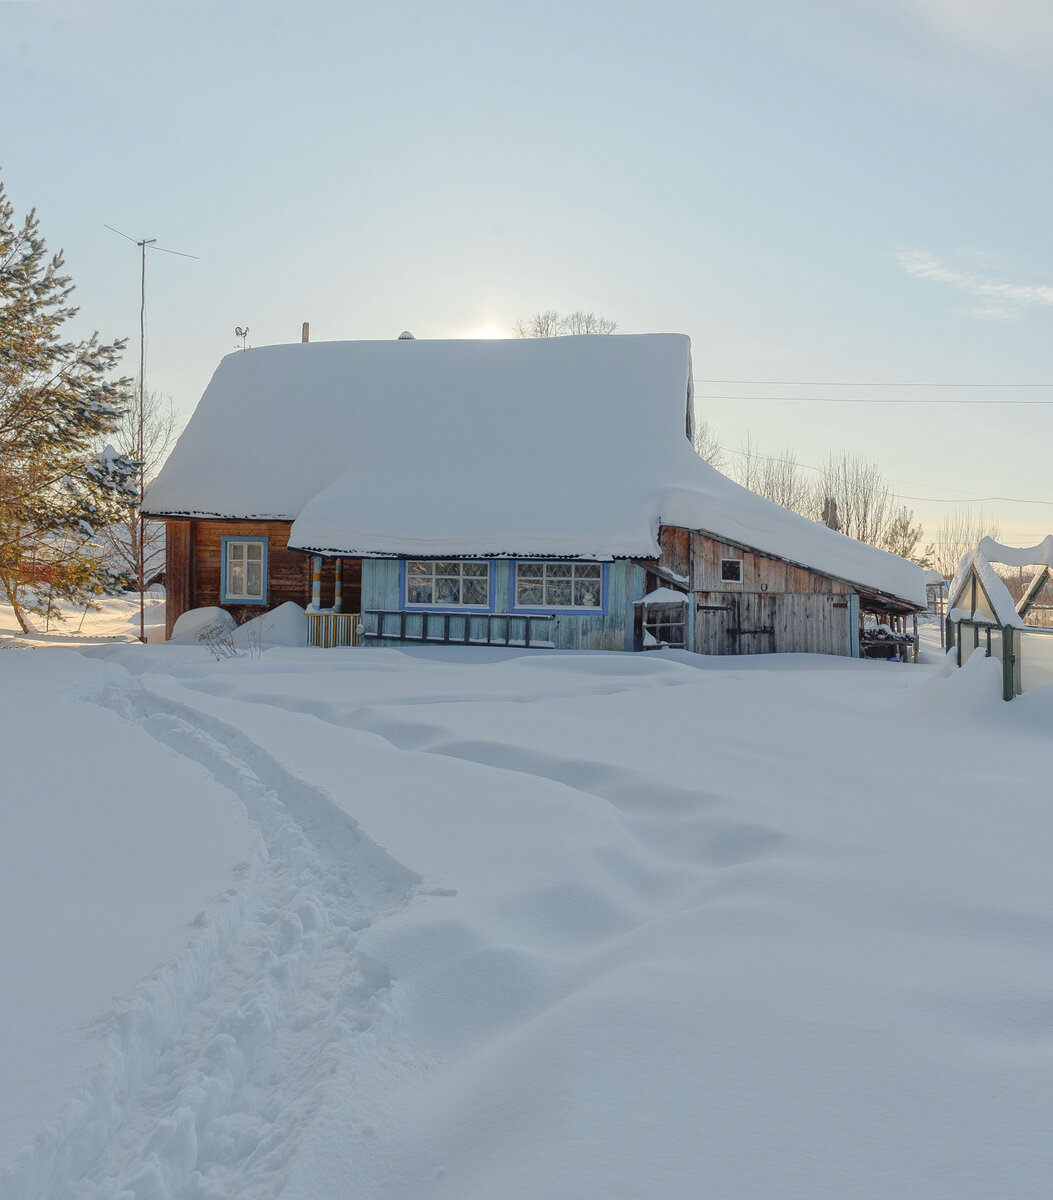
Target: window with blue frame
[(448, 583), (244, 571), (568, 585)]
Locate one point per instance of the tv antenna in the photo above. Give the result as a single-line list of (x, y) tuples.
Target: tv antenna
[(142, 243)]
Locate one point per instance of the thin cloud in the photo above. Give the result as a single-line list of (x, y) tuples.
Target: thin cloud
[(1003, 300), (1017, 32)]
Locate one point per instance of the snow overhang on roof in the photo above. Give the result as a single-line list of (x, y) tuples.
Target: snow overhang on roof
[(572, 447), (977, 562)]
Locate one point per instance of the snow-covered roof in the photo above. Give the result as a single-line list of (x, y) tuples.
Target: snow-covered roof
[(978, 562), (569, 446), (1018, 556)]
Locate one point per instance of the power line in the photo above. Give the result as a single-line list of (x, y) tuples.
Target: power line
[(826, 383), (969, 499), (866, 400)]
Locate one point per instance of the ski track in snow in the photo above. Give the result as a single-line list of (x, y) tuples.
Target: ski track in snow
[(216, 1064)]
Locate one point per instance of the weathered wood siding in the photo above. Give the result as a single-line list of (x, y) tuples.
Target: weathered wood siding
[(570, 631), (775, 608)]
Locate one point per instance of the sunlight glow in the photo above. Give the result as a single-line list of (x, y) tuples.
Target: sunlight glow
[(489, 330)]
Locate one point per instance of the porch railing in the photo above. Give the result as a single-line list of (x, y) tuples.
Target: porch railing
[(332, 629)]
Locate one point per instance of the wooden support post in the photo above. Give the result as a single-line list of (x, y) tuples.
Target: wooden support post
[(1009, 675), (338, 586), (316, 582)]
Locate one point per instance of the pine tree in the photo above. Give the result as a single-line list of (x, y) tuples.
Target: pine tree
[(56, 401)]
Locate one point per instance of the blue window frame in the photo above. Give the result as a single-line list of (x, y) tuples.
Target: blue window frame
[(243, 570), (461, 584), (540, 586)]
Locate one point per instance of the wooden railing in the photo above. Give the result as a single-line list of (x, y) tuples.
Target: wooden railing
[(465, 629), (332, 629)]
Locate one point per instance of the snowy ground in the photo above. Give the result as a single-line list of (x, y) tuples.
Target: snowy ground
[(470, 925)]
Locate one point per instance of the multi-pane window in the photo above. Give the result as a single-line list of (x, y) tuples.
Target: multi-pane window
[(448, 582), (244, 575), (559, 585)]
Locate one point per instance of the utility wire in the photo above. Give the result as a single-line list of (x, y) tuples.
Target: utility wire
[(969, 499), (865, 399), (826, 383)]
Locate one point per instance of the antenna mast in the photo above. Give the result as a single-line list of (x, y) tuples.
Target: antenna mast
[(140, 455)]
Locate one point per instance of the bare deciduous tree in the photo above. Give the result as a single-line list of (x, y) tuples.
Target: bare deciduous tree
[(782, 479), (778, 477), (119, 544), (549, 323), (707, 446), (959, 532), (866, 505)]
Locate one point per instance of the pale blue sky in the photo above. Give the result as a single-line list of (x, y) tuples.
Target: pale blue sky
[(848, 191)]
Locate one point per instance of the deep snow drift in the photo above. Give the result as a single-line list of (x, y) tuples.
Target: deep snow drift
[(480, 924)]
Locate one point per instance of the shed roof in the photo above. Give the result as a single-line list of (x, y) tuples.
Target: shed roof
[(571, 446)]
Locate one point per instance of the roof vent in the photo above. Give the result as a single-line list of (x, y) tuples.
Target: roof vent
[(406, 336)]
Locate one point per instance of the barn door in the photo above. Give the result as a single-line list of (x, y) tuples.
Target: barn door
[(716, 614), (755, 633)]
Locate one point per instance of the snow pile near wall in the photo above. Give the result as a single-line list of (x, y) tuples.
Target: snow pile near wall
[(571, 446), (285, 625), (190, 625), (521, 925)]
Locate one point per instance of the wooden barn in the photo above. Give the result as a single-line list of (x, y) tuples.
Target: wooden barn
[(538, 492)]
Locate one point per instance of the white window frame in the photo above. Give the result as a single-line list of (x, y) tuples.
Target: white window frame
[(237, 548), (738, 562), (545, 605), (475, 574)]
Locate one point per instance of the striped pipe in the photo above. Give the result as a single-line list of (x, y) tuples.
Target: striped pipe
[(338, 586), (316, 582)]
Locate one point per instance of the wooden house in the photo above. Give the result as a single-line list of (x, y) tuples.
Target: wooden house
[(536, 492)]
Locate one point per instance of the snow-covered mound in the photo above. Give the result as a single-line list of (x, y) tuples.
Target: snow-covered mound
[(190, 625), (285, 625)]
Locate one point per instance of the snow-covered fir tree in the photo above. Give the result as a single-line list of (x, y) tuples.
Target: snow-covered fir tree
[(57, 398)]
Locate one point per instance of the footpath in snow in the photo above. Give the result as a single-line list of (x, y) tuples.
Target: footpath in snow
[(461, 925)]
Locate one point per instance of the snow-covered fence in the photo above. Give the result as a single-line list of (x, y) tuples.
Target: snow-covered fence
[(1034, 655), (983, 617)]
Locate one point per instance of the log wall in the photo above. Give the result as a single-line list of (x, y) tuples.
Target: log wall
[(193, 569)]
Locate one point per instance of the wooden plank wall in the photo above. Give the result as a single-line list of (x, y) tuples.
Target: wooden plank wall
[(777, 607), (178, 571)]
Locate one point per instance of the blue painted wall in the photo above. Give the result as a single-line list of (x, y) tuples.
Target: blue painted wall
[(612, 630)]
